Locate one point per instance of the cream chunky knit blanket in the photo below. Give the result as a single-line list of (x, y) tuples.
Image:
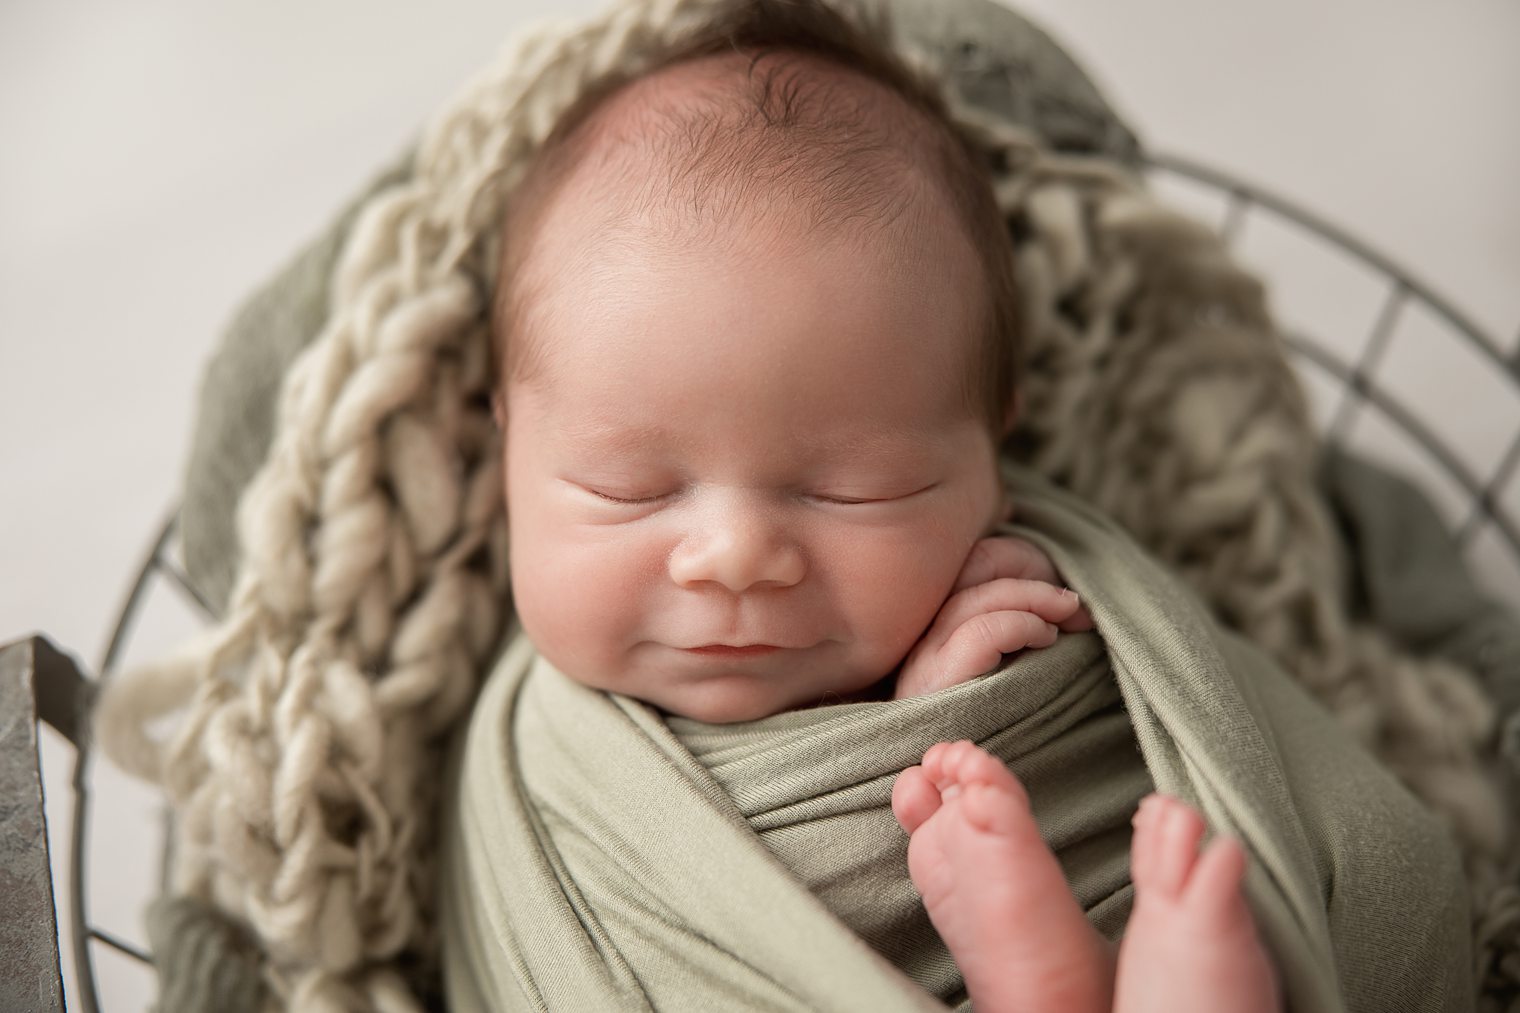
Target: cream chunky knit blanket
[(373, 588)]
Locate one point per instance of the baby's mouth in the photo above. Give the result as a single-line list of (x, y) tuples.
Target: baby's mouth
[(734, 650)]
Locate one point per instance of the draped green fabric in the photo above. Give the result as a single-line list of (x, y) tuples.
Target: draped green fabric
[(599, 855)]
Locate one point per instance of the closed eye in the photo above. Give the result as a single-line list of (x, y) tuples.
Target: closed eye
[(625, 500), (848, 500), (867, 500)]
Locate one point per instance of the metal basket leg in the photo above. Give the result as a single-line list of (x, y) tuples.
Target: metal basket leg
[(36, 679)]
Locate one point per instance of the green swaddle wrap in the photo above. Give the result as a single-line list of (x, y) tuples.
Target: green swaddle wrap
[(598, 855)]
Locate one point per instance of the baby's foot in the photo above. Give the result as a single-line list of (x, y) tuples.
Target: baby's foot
[(994, 890), (1190, 946)]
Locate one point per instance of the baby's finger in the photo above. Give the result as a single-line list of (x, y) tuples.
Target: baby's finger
[(1052, 604), (979, 645), (992, 558), (1078, 622)]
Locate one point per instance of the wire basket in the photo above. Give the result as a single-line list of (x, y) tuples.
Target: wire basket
[(1352, 376)]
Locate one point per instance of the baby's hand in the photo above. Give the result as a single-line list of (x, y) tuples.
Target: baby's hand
[(1005, 599)]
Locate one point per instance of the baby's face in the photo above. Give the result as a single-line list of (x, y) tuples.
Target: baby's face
[(743, 478)]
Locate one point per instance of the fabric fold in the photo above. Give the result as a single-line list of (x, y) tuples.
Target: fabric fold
[(816, 785), (626, 834)]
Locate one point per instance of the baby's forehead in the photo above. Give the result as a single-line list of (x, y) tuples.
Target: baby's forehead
[(809, 324), (730, 153)]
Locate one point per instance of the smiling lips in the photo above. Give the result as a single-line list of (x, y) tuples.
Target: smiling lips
[(733, 651)]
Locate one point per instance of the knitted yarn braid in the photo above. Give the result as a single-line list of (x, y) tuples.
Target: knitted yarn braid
[(374, 585), (374, 581)]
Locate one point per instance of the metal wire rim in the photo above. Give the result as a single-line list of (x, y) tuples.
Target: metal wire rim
[(1356, 379), (81, 932)]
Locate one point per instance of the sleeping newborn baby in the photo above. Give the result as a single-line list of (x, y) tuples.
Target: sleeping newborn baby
[(755, 353)]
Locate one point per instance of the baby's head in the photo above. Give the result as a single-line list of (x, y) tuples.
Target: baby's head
[(755, 324)]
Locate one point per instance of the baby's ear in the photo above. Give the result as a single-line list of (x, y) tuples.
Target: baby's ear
[(1005, 505), (1013, 412), (499, 409)]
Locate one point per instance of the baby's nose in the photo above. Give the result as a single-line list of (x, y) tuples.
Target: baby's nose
[(738, 549)]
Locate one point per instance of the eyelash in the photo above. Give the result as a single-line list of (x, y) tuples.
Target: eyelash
[(625, 501), (849, 502)]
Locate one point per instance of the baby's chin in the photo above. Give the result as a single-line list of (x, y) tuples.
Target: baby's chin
[(716, 697), (727, 702)]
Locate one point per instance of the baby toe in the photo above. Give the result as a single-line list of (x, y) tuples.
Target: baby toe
[(944, 761), (1165, 848), (914, 798), (981, 767), (1141, 837), (1214, 885), (934, 760), (993, 809)]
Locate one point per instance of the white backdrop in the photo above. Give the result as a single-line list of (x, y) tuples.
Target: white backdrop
[(160, 157)]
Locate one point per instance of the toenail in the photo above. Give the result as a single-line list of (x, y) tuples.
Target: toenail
[(950, 793)]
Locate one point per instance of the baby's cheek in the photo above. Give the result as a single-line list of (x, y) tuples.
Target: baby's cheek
[(899, 588), (578, 604)]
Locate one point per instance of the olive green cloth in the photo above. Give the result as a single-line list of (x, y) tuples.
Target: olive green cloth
[(204, 961), (1055, 716), (597, 856), (1409, 579)]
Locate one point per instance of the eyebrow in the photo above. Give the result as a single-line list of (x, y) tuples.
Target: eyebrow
[(608, 434), (616, 436)]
